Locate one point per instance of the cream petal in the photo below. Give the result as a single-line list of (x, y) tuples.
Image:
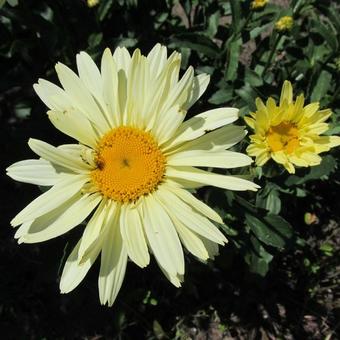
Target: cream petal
[(94, 229), (167, 127), (192, 242), (67, 186), (63, 222), (52, 95), (179, 93), (209, 178), (192, 201), (74, 124), (40, 223), (200, 84), (132, 232), (137, 90), (122, 59), (58, 156), (220, 139), (219, 159), (22, 230), (157, 58), (34, 171), (200, 124), (110, 88), (80, 153), (162, 237), (211, 247), (191, 219), (90, 75), (113, 262), (81, 97), (159, 91), (175, 279), (73, 272)]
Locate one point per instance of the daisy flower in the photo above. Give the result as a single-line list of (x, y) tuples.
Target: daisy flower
[(130, 173), (92, 3), (289, 133), (258, 4), (284, 24)]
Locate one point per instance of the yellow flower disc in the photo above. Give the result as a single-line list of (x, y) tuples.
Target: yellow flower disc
[(284, 136), (129, 164)]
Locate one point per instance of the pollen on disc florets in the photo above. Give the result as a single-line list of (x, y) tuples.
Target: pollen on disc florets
[(284, 136), (129, 164)]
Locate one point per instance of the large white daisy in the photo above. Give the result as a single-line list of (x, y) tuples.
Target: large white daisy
[(131, 169)]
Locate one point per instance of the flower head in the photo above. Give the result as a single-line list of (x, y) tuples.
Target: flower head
[(284, 24), (289, 133), (258, 4), (129, 171), (92, 3)]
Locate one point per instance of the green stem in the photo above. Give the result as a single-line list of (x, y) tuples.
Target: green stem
[(273, 50)]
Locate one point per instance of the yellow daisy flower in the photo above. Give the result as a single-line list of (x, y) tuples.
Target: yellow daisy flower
[(131, 169), (289, 133), (92, 3), (258, 4), (284, 24)]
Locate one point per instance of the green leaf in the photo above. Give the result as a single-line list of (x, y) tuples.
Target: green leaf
[(327, 166), (272, 230), (280, 225), (228, 230), (258, 258), (158, 330), (233, 59), (322, 86), (269, 199), (197, 42), (327, 249), (236, 14), (104, 9), (213, 20), (327, 33), (252, 78), (95, 39), (221, 96), (248, 95)]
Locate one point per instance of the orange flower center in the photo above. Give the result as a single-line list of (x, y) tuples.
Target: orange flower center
[(284, 136), (129, 164)]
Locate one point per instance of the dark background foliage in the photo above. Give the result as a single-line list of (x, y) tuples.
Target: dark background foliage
[(279, 275)]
